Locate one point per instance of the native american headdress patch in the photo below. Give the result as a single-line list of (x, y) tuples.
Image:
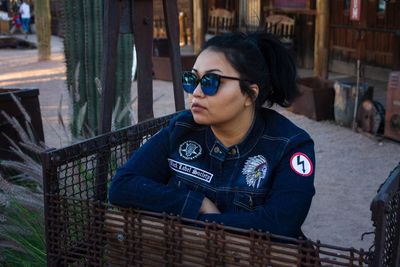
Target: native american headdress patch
[(255, 169)]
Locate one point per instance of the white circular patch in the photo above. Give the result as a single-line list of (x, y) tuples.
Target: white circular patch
[(301, 164), (190, 150)]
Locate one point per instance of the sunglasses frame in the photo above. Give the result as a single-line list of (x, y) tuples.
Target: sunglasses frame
[(199, 80)]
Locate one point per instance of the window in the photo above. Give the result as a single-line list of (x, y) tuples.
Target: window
[(347, 4), (382, 5)]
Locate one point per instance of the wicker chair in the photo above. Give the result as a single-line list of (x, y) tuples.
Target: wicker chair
[(82, 230), (219, 21), (385, 209), (283, 27)]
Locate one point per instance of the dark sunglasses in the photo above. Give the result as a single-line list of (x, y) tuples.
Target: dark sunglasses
[(209, 82)]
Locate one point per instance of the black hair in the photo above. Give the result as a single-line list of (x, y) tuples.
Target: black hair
[(261, 58)]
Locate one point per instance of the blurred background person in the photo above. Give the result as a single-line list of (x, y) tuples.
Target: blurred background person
[(25, 11)]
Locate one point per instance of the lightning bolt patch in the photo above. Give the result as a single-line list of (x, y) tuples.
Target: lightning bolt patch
[(301, 164)]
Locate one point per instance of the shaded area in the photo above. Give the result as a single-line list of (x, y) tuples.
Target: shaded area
[(16, 43)]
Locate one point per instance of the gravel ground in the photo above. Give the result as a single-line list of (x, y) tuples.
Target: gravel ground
[(350, 166)]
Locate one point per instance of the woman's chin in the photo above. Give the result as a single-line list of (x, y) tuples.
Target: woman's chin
[(199, 119)]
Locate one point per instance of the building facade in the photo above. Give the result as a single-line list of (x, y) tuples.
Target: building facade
[(374, 37)]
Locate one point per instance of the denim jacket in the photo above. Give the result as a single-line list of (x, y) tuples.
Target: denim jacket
[(264, 183)]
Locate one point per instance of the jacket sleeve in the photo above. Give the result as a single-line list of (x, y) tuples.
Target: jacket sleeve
[(142, 182), (288, 203)]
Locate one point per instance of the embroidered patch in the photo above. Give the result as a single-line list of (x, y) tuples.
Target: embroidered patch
[(301, 164), (190, 150), (255, 170), (190, 170)]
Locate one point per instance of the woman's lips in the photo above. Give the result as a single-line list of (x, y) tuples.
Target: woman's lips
[(197, 107)]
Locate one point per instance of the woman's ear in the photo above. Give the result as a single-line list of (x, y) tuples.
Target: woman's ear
[(255, 89)]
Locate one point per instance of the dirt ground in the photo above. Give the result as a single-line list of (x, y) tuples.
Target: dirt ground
[(350, 166)]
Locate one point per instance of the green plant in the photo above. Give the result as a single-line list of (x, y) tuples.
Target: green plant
[(83, 46), (22, 236), (22, 232)]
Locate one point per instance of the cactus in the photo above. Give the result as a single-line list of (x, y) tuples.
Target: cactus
[(83, 47), (43, 28), (124, 70)]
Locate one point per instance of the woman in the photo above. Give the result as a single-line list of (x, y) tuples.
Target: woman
[(228, 159)]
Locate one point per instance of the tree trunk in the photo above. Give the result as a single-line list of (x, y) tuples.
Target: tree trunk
[(43, 28)]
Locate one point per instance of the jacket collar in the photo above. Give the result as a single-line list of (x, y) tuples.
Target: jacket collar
[(219, 151)]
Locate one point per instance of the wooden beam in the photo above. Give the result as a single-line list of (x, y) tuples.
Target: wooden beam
[(198, 30), (109, 63), (171, 19), (143, 34), (295, 11), (321, 39)]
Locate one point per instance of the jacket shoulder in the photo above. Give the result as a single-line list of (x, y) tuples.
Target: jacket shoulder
[(278, 125)]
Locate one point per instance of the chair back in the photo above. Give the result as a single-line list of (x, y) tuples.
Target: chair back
[(83, 231), (386, 218), (220, 21), (281, 26), (159, 30)]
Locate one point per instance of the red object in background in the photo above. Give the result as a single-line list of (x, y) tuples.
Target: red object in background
[(16, 20), (392, 118), (355, 10)]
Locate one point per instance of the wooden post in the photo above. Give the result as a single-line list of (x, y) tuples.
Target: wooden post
[(321, 39), (143, 34), (172, 27), (270, 7), (198, 30), (109, 63)]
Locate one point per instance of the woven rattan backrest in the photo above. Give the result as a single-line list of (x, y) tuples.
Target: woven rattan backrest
[(82, 231), (70, 188), (386, 218)]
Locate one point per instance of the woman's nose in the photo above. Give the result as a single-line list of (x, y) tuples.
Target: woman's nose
[(198, 92)]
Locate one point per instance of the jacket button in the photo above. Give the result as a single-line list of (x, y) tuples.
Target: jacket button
[(217, 150), (251, 204), (233, 151)]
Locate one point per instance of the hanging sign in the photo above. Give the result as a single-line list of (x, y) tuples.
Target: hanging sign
[(355, 10)]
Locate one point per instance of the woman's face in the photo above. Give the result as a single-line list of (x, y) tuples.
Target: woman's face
[(229, 103)]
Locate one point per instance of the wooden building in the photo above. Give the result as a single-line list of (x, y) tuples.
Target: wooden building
[(374, 38)]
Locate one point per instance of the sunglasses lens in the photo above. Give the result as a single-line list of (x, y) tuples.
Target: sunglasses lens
[(189, 81), (209, 83)]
